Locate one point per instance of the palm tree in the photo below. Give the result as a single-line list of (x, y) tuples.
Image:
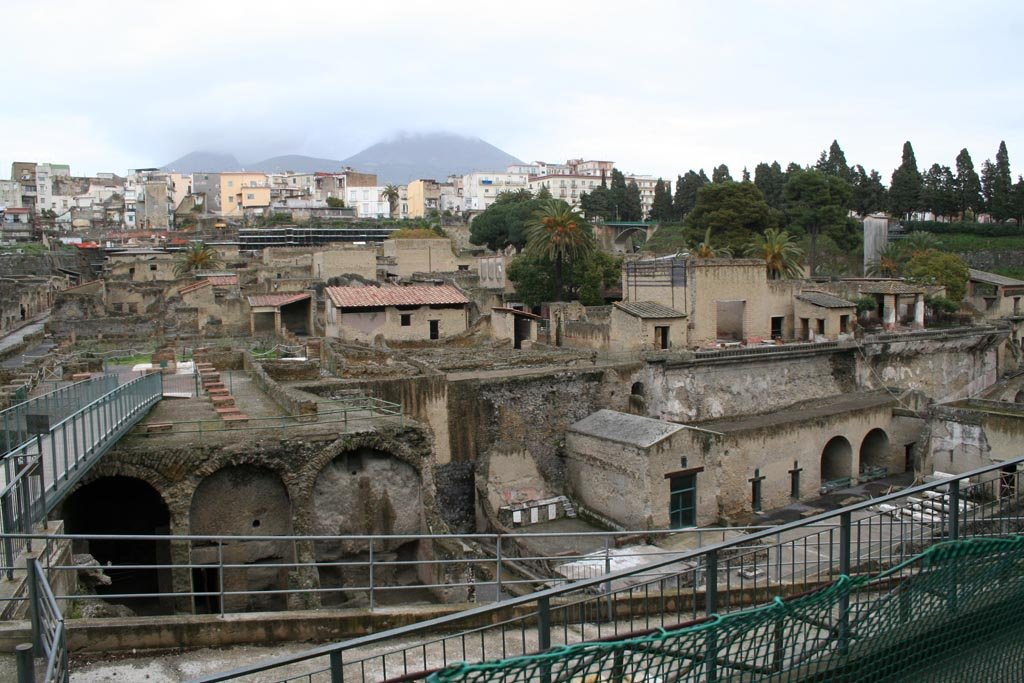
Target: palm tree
[(390, 194), (197, 256), (560, 234), (890, 260), (706, 250), (780, 253), (919, 242)]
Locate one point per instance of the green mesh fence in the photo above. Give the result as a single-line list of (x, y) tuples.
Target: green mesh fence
[(953, 613)]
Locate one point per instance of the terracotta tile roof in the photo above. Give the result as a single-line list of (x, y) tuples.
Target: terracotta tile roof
[(222, 280), (994, 279), (193, 287), (824, 299), (516, 311), (280, 299), (374, 297), (648, 309)]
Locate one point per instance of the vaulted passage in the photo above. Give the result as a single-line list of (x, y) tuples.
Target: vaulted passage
[(124, 505), (836, 460), (367, 491), (241, 500), (874, 450)]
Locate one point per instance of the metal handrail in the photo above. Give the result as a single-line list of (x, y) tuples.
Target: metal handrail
[(543, 599)]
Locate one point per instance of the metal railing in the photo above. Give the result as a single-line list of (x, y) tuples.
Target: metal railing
[(39, 472), (49, 637), (56, 405), (725, 577)]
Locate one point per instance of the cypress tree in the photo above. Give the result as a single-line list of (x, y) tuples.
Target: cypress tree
[(905, 188), (968, 185)]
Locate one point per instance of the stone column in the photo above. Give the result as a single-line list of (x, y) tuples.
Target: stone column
[(919, 310), (889, 311), (277, 320)]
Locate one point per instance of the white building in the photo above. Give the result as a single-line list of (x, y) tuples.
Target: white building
[(44, 184), (368, 202), (565, 187), (646, 184), (479, 190), (10, 194)]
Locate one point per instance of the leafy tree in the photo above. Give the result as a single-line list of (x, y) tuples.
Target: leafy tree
[(686, 192), (335, 203), (968, 185), (770, 180), (919, 242), (503, 223), (816, 203), (746, 175), (196, 256), (834, 164), (1018, 201), (891, 259), (938, 192), (661, 210), (1001, 206), (595, 204), (940, 268), (670, 239), (632, 209), (869, 195), (543, 194), (559, 234), (905, 187), (391, 195), (780, 253), (585, 279), (721, 175), (732, 211), (865, 303)]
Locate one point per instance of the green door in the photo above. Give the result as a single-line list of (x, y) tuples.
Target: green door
[(682, 504)]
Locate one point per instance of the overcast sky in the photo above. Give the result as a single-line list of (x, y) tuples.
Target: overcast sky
[(658, 87)]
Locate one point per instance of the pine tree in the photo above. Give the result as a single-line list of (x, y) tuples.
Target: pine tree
[(746, 175), (938, 193), (771, 181), (721, 175), (617, 196), (868, 192), (1002, 186), (905, 187), (686, 193), (834, 164), (661, 210), (633, 208), (968, 185), (988, 181)]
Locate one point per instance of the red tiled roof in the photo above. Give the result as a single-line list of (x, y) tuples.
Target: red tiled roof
[(281, 299), (193, 287), (222, 280), (373, 297)]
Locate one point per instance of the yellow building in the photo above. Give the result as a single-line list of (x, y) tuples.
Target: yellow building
[(423, 195), (241, 190)]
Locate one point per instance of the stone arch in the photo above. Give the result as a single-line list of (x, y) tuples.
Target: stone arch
[(122, 505), (364, 491), (241, 500), (874, 449), (637, 389), (836, 459), (1019, 397)]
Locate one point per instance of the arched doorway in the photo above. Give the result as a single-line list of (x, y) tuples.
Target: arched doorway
[(637, 402), (124, 506), (1019, 398), (241, 500), (874, 451), (360, 492), (836, 460)]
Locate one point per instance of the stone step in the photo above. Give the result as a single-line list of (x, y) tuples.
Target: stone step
[(218, 392), (240, 418), (80, 376), (227, 410), (222, 401), (213, 385), (159, 427)]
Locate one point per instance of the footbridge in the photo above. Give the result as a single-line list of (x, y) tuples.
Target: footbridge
[(50, 442)]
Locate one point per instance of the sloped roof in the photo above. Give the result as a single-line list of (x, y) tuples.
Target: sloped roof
[(633, 430), (648, 309), (374, 297), (276, 300), (222, 280), (994, 279), (194, 286), (891, 287), (516, 311), (824, 299)]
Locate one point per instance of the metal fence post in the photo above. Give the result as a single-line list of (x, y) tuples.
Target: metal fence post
[(371, 573), (220, 573), (497, 571), (26, 664), (710, 607), (954, 509), (8, 520), (35, 612), (543, 624), (845, 521), (337, 672), (608, 584)]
